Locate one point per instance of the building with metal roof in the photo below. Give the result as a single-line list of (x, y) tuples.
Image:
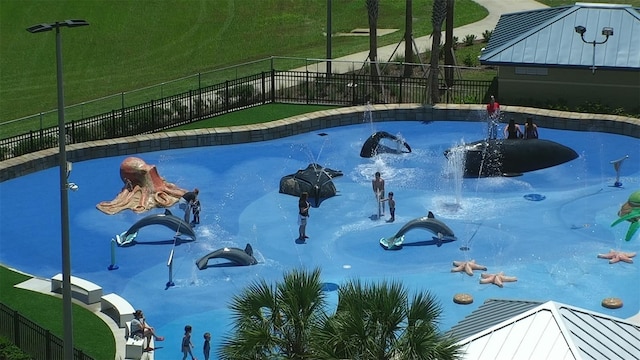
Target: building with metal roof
[(571, 54), (513, 329)]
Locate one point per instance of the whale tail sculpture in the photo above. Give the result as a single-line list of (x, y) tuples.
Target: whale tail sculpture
[(372, 146), (237, 256), (441, 230), (179, 226)]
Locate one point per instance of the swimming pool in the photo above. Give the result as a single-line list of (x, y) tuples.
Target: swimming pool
[(551, 246)]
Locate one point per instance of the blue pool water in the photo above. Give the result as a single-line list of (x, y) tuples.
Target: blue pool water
[(550, 245)]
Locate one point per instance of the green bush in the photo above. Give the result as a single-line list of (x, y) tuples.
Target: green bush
[(486, 35), (4, 153), (31, 145), (8, 351), (470, 60), (469, 39)]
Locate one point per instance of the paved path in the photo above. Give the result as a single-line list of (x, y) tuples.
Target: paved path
[(494, 7)]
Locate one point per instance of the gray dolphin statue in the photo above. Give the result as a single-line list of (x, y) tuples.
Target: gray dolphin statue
[(441, 230), (236, 255), (167, 219)]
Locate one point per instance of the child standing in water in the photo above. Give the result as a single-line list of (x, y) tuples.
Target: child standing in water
[(207, 345), (195, 209), (186, 343), (392, 206)]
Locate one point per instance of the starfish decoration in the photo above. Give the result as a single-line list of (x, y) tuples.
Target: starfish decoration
[(616, 256), (467, 267), (496, 279)]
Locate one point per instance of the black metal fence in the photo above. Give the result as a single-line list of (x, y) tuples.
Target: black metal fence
[(299, 87), (37, 342)]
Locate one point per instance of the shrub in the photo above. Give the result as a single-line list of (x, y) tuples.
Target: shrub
[(5, 153), (31, 145), (470, 60), (486, 35), (8, 351), (469, 39)]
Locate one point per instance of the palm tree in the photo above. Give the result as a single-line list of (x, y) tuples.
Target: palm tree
[(448, 45), (372, 12), (408, 37), (380, 322), (276, 321), (437, 18)]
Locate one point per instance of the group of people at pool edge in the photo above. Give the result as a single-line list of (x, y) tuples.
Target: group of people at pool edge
[(141, 329), (512, 130)]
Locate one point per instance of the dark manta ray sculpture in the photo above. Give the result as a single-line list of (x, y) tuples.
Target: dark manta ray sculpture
[(512, 157), (372, 146), (315, 180)]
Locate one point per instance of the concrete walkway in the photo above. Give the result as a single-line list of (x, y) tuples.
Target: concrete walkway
[(494, 7)]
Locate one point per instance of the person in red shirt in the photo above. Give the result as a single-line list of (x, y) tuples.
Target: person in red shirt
[(493, 117)]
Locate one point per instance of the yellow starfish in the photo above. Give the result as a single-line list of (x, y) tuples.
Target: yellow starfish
[(496, 279), (615, 256), (467, 267)]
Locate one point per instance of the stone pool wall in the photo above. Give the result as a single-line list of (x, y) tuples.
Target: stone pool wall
[(131, 145)]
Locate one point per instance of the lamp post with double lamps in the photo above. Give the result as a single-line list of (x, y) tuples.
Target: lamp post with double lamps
[(64, 185), (606, 31)]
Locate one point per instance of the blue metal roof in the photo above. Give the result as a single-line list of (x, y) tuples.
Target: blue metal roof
[(547, 37)]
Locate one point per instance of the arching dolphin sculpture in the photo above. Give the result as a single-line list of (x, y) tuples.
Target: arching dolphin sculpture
[(236, 255), (372, 146), (167, 219), (441, 230), (512, 157), (316, 180)]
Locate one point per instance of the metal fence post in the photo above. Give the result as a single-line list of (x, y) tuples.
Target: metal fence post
[(16, 328), (273, 84), (47, 350)]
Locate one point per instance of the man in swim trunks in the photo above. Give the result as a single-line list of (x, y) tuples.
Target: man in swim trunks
[(378, 189)]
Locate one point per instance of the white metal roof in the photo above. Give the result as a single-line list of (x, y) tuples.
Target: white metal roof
[(556, 331)]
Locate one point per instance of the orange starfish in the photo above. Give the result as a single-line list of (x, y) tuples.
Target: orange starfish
[(496, 279), (467, 267), (615, 256)]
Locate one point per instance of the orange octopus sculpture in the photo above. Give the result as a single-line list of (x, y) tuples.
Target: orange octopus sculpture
[(144, 189)]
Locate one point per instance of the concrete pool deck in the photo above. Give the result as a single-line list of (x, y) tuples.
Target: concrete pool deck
[(44, 159)]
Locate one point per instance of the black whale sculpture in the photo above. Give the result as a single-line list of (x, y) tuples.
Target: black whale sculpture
[(511, 157), (372, 146)]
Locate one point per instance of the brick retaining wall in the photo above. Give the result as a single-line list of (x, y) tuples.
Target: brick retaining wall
[(131, 145)]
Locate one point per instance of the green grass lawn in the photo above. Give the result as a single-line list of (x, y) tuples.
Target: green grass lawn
[(90, 333), (134, 44)]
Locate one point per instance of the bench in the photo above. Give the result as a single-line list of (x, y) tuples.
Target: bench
[(81, 289), (117, 308), (133, 347)]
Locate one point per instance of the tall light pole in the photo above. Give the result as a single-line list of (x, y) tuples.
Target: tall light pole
[(606, 31), (329, 39), (64, 186)]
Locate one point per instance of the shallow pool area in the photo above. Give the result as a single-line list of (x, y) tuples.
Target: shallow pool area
[(545, 227)]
